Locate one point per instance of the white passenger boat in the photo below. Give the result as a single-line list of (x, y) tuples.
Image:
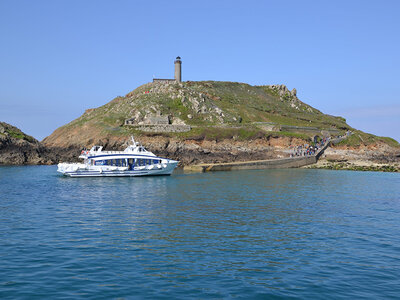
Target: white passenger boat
[(134, 161)]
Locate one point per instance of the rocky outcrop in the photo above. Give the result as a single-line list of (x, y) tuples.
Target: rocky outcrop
[(376, 157), (17, 148), (285, 95), (378, 153), (197, 102)]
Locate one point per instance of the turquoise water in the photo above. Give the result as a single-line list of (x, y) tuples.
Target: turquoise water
[(245, 234)]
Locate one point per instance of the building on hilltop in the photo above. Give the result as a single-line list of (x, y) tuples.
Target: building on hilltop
[(178, 73), (178, 69)]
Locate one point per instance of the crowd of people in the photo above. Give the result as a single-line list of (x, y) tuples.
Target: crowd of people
[(306, 149)]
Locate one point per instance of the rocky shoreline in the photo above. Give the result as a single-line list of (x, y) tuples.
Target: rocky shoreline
[(16, 148), (355, 166), (190, 151), (381, 158), (190, 154)]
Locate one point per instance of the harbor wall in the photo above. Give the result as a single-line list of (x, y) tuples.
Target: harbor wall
[(161, 128), (280, 163)]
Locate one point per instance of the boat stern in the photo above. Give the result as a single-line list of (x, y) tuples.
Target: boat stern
[(68, 168)]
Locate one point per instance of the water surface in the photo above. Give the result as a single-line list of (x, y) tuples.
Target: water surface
[(291, 233)]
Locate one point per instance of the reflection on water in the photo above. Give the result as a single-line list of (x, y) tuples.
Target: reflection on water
[(300, 233)]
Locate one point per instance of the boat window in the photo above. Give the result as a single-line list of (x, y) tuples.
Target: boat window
[(155, 161)]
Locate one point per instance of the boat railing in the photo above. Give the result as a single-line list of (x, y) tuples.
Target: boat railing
[(119, 152), (110, 152)]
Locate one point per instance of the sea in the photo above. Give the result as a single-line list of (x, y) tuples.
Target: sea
[(251, 234)]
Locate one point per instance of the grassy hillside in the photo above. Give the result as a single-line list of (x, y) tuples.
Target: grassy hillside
[(213, 109), (361, 138)]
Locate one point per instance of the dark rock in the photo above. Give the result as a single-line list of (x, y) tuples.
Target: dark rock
[(17, 148)]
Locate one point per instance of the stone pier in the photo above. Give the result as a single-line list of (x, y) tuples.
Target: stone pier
[(280, 163)]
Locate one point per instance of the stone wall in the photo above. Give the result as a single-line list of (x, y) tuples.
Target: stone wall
[(290, 162), (270, 126), (313, 130), (160, 80), (161, 128)]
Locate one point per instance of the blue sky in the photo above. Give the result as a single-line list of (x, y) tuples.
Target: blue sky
[(58, 58)]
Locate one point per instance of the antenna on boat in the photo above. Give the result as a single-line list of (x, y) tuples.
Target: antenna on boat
[(133, 140)]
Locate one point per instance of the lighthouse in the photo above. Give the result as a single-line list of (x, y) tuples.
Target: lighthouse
[(178, 69), (178, 73)]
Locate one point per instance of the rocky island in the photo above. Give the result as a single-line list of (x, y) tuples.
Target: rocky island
[(213, 121)]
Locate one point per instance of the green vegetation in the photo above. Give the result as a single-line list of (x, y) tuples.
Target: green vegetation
[(361, 138), (14, 132)]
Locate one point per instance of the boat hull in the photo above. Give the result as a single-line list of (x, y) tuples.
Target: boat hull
[(119, 173)]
